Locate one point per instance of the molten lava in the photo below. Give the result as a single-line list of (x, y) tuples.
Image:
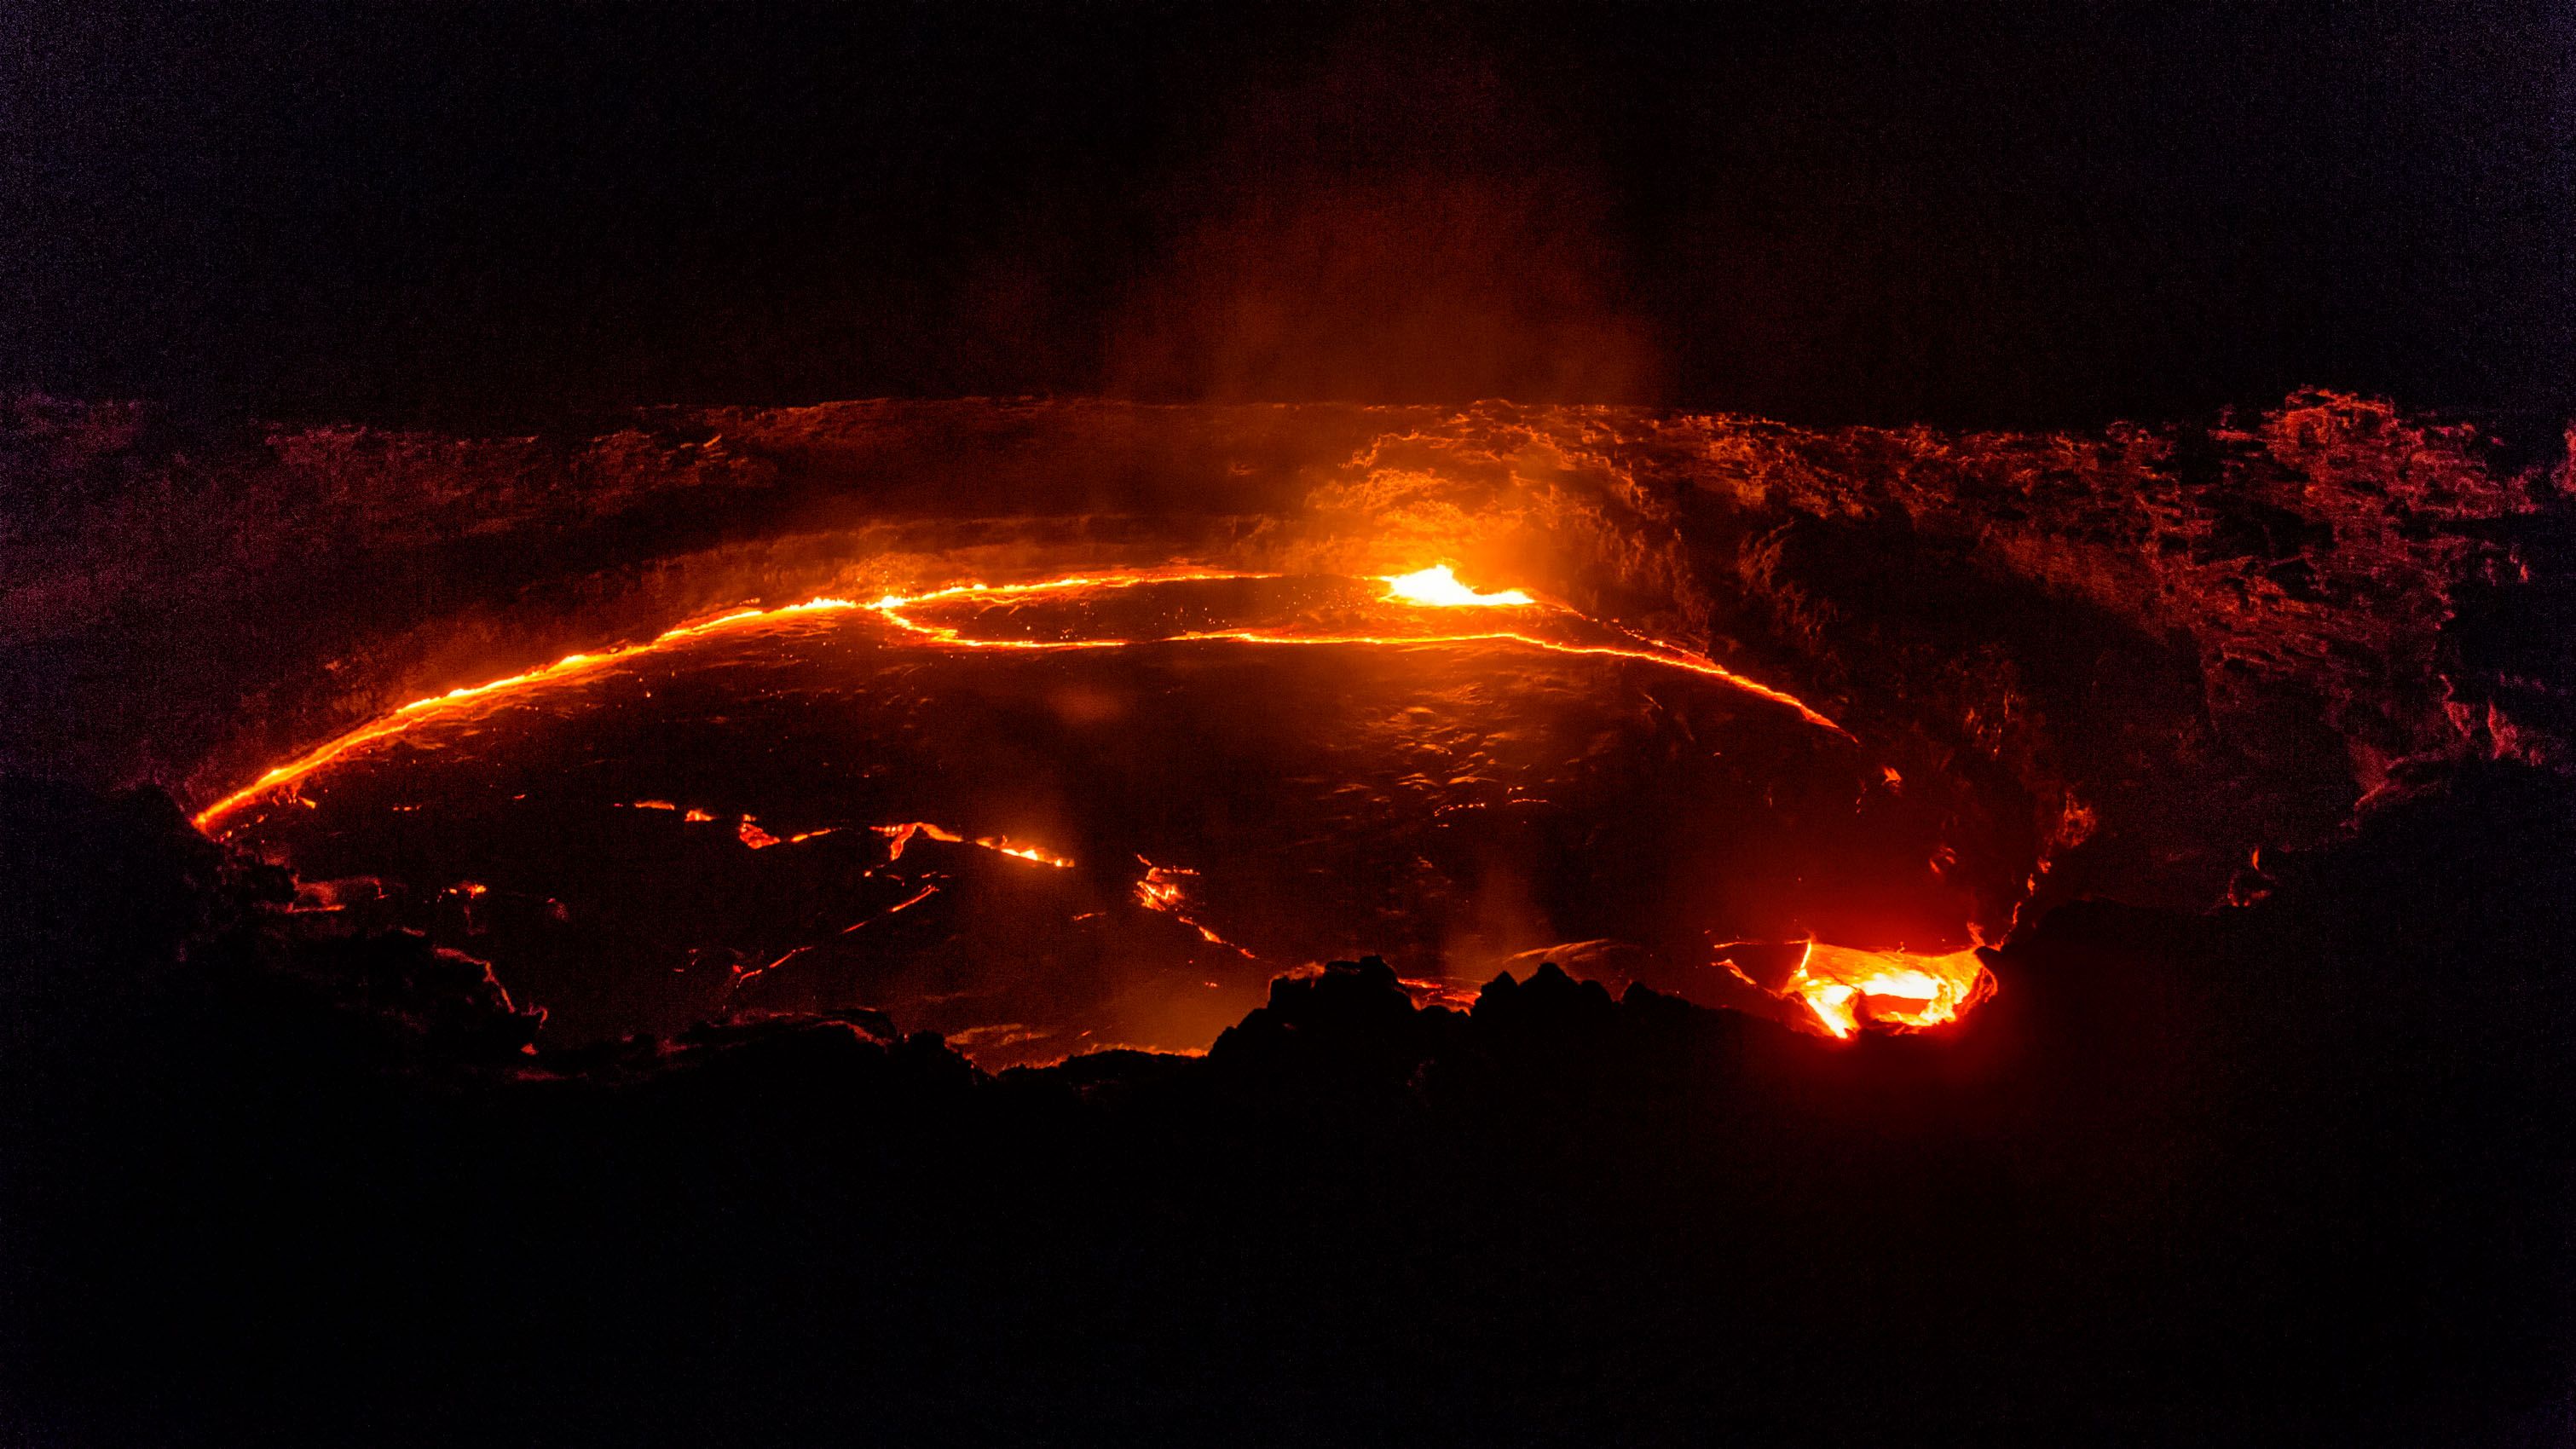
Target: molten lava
[(899, 836), (1160, 890), (570, 666), (1439, 588), (1846, 989)]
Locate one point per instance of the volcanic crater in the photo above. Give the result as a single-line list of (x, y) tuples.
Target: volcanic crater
[(1774, 719)]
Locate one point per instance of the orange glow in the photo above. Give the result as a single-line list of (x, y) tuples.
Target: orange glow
[(1845, 989), (1841, 989), (1438, 588), (1674, 660), (902, 835), (1440, 991), (1160, 890), (1157, 892), (570, 665), (916, 898), (892, 608), (1028, 852)]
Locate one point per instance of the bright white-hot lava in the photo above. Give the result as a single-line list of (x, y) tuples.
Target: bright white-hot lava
[(1844, 988), (1438, 587)]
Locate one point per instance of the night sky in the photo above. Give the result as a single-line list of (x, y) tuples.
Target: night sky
[(483, 214)]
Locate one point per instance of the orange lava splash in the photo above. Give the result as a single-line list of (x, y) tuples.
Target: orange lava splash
[(1846, 989), (1439, 588)]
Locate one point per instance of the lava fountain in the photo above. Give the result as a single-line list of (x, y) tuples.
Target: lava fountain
[(1105, 808)]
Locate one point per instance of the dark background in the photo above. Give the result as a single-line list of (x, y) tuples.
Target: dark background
[(1971, 214)]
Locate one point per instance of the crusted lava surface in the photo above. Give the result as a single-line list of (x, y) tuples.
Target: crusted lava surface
[(2294, 1172), (1158, 793), (486, 920)]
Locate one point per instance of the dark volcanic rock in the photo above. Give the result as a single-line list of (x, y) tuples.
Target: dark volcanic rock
[(2293, 1173)]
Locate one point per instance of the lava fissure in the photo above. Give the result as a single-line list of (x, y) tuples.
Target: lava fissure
[(570, 665), (902, 835)]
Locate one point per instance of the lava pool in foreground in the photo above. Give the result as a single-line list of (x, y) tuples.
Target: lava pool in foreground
[(1104, 811)]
